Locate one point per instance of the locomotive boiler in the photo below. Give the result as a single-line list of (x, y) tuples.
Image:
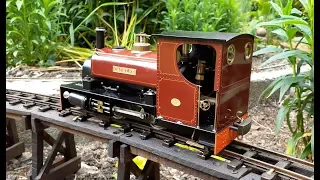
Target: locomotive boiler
[(196, 84)]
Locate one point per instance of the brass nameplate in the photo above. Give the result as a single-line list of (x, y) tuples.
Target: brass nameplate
[(123, 70)]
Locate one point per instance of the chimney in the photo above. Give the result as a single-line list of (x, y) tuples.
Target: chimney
[(100, 37)]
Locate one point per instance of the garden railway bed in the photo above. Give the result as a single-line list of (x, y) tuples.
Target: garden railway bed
[(237, 161)]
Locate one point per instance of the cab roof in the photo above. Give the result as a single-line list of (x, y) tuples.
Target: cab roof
[(199, 35)]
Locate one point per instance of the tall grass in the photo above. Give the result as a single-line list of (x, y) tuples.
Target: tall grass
[(120, 18), (203, 15)]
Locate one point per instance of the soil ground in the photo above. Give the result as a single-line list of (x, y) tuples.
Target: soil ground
[(95, 162)]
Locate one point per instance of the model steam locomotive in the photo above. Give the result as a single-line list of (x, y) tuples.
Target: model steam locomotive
[(196, 84)]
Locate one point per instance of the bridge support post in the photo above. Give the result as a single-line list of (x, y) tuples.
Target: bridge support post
[(53, 167), (126, 166), (14, 148)]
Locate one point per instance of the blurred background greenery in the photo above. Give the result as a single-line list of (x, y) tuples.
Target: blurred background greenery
[(46, 32)]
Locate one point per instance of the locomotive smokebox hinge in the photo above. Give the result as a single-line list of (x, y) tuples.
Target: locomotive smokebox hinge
[(243, 127)]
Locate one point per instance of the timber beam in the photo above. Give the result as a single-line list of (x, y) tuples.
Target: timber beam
[(126, 165), (53, 167), (14, 148)]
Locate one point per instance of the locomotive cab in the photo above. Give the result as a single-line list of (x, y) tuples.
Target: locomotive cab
[(203, 82)]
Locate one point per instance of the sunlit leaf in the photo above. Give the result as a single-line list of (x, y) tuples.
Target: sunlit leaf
[(270, 86), (51, 4), (276, 7), (48, 23), (292, 143), (43, 38), (291, 32), (15, 53), (296, 11), (282, 55), (283, 21), (305, 5), (305, 30), (267, 50), (105, 14), (19, 4), (36, 42), (71, 31), (283, 90), (306, 151), (12, 20), (280, 32), (17, 33), (285, 83), (304, 57), (288, 7), (284, 110)]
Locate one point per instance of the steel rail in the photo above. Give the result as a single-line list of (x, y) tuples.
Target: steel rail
[(284, 156), (265, 165), (42, 100)]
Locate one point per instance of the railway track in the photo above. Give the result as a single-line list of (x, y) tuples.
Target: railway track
[(267, 163)]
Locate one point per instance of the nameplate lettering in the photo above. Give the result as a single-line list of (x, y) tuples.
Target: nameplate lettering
[(124, 70)]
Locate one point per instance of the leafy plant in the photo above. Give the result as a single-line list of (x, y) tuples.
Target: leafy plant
[(262, 10), (121, 20), (202, 15), (134, 19), (45, 31), (32, 31), (74, 54), (301, 106)]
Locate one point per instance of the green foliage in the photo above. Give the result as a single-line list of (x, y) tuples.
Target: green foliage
[(202, 15), (262, 10), (288, 24), (46, 32), (121, 20), (32, 31)]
